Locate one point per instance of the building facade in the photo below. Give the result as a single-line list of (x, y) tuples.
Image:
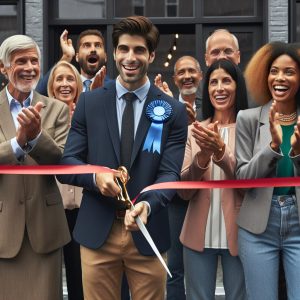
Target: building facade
[(184, 24)]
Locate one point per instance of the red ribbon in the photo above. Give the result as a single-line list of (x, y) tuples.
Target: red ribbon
[(53, 169), (86, 169)]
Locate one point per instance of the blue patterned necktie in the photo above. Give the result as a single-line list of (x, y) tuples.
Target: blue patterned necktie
[(87, 84)]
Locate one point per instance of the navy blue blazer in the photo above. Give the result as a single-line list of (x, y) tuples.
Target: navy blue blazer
[(94, 139)]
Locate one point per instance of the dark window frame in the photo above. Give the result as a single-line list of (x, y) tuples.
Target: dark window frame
[(54, 26), (20, 13), (292, 24)]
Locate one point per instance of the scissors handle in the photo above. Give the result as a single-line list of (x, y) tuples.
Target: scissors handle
[(121, 182)]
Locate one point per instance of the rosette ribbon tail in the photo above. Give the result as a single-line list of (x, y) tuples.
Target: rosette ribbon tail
[(153, 139)]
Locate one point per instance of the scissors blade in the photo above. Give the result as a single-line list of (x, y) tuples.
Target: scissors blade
[(149, 239)]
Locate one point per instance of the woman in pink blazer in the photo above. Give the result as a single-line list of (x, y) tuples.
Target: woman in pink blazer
[(209, 230)]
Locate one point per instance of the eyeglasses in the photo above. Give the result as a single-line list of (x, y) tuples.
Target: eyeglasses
[(217, 52)]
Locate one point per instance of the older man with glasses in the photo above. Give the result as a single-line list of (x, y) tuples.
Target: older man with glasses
[(222, 44)]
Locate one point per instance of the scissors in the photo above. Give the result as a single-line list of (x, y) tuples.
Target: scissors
[(124, 197)]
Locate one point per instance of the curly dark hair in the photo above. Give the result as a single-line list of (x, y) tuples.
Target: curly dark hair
[(258, 68)]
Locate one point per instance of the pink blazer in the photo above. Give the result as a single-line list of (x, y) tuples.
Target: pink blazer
[(193, 230)]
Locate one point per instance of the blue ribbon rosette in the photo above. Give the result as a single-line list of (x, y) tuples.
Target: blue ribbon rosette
[(158, 112)]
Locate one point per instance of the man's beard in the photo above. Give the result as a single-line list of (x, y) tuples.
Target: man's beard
[(187, 92), (83, 64), (23, 88)]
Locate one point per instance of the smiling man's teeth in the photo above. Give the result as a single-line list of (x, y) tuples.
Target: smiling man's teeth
[(130, 68), (28, 77)]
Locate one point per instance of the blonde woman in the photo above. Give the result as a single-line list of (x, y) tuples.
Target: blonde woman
[(65, 85)]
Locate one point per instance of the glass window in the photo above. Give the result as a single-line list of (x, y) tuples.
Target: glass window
[(138, 7), (246, 46), (81, 9), (172, 8), (8, 21), (229, 8), (298, 21), (184, 45), (155, 8), (8, 27)]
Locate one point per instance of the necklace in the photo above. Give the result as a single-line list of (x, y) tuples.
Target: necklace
[(288, 118)]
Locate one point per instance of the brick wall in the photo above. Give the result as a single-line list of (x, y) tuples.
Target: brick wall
[(278, 20), (34, 21)]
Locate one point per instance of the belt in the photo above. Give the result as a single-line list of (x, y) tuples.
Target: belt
[(282, 199), (120, 214)]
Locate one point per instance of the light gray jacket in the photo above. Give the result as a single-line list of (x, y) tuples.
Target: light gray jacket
[(256, 159)]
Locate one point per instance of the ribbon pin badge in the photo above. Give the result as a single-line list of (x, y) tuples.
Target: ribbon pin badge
[(158, 112)]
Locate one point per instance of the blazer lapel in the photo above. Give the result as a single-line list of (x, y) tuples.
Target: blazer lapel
[(144, 123), (6, 120), (112, 118), (264, 129)]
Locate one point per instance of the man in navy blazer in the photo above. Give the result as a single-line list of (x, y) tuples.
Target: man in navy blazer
[(111, 242), (90, 55)]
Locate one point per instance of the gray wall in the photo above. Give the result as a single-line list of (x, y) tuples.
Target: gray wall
[(278, 20), (34, 21)]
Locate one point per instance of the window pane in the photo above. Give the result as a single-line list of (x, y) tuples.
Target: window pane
[(139, 10), (246, 46), (297, 21), (8, 21), (8, 27), (185, 45), (172, 11), (155, 8), (229, 8), (81, 9)]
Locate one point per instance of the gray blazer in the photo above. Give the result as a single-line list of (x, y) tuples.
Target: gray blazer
[(256, 159)]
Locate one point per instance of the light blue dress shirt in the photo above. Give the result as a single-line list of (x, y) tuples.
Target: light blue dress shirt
[(15, 108), (138, 105)]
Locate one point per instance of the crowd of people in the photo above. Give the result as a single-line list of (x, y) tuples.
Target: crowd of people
[(83, 117)]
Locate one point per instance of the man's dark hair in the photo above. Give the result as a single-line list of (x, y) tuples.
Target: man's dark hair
[(241, 99), (137, 25), (89, 32)]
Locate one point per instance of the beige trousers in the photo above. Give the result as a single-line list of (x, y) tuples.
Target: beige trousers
[(102, 269)]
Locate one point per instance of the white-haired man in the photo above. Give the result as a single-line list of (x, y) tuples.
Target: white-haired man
[(33, 131)]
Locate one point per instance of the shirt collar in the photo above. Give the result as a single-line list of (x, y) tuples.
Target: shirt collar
[(11, 98), (141, 92), (83, 79), (182, 101)]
